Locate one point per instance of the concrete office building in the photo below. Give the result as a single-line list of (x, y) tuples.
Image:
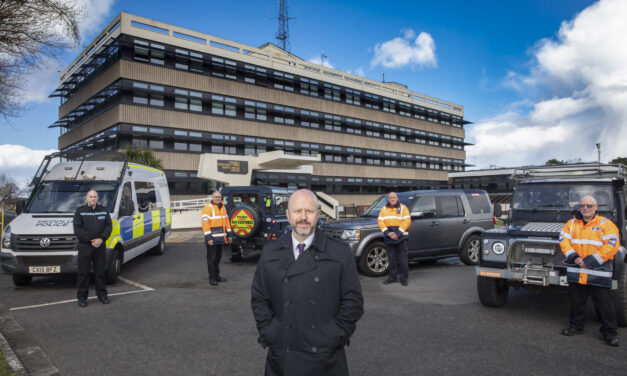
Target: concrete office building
[(182, 93)]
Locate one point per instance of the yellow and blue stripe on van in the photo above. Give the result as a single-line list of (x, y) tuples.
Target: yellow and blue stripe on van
[(135, 226)]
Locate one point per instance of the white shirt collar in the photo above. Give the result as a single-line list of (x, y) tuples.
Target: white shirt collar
[(295, 243)]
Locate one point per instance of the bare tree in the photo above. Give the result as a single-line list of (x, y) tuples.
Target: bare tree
[(29, 31)]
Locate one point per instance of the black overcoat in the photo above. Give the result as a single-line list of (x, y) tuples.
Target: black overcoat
[(307, 309)]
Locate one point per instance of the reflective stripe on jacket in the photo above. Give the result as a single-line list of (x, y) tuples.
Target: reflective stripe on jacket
[(394, 218), (596, 242), (215, 223)]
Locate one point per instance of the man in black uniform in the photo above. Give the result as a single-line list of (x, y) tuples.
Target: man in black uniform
[(92, 226)]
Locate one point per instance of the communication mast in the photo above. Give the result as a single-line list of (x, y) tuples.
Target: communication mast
[(283, 35)]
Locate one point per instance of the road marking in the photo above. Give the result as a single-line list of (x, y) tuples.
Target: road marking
[(143, 288), (178, 240)]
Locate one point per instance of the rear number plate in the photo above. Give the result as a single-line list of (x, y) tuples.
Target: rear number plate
[(44, 269)]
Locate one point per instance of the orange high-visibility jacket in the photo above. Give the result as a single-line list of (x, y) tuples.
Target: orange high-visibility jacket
[(393, 218), (596, 242), (215, 223)]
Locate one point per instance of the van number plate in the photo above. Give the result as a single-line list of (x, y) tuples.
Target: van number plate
[(44, 269)]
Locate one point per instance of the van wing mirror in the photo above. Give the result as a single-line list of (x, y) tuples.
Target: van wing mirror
[(498, 211), (417, 214), (20, 204)]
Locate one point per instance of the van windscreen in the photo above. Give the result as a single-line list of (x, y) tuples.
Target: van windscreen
[(66, 196)]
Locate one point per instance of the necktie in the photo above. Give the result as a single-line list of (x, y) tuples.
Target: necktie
[(301, 248)]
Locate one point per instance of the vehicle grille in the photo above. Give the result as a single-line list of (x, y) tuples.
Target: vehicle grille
[(334, 233), (543, 227), (31, 243), (518, 256), (44, 260)]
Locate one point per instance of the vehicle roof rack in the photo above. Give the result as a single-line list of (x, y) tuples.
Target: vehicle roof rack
[(571, 171), (79, 156)]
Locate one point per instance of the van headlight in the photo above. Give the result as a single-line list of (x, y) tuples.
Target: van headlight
[(6, 238), (498, 248), (350, 235)]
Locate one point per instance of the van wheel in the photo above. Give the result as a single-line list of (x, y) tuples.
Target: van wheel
[(236, 257), (492, 291), (620, 298), (159, 249), (22, 280), (114, 269), (469, 253), (374, 260)]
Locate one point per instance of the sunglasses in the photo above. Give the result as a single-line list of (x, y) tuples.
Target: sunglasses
[(587, 206)]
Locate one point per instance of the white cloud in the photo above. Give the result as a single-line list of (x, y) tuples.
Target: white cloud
[(42, 81), (318, 60), (406, 51), (20, 163), (583, 73)]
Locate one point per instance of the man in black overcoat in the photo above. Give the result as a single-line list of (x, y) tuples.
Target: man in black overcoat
[(306, 297)]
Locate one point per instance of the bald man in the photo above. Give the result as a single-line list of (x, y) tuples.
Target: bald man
[(92, 227), (306, 296), (589, 243)]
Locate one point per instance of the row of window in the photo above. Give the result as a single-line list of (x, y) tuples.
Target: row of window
[(255, 145), (142, 93), (177, 58)]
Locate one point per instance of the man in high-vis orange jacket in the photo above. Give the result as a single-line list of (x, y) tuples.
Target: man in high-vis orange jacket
[(589, 243), (217, 229), (394, 221)]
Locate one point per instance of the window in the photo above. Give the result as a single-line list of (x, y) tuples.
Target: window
[(255, 75), (372, 101), (156, 144), (332, 92), (255, 110), (146, 196), (283, 81), (309, 87), (425, 205), (223, 68), (180, 146), (388, 105), (353, 97), (450, 206), (140, 143), (479, 203), (195, 147)]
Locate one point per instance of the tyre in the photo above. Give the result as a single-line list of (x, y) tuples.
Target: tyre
[(236, 257), (22, 280), (159, 249), (114, 269), (245, 221), (492, 291), (620, 298), (374, 259), (469, 254)]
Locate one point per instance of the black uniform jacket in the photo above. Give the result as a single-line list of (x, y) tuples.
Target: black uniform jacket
[(91, 224), (306, 310)]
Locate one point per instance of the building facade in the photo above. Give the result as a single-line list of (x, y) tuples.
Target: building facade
[(182, 93)]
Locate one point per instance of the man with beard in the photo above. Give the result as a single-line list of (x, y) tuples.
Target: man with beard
[(306, 297)]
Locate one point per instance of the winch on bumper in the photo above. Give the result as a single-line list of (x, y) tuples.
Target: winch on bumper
[(529, 261)]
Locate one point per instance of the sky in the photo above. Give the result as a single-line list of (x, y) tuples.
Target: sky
[(538, 79)]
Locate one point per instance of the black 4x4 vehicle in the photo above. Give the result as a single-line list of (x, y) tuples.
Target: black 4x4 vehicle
[(257, 216), (444, 223), (527, 253)]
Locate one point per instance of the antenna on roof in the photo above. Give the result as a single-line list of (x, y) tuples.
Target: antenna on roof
[(323, 56), (283, 35)]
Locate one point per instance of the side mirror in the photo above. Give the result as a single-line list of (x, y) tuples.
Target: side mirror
[(20, 204), (417, 214), (498, 211)]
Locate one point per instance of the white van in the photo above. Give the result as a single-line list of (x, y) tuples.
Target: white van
[(41, 241)]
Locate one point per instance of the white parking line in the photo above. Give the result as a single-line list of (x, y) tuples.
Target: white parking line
[(143, 288)]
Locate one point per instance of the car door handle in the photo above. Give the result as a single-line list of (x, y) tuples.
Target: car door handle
[(434, 224), (465, 221)]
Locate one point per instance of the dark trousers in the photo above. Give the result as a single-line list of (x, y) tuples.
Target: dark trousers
[(214, 255), (603, 306), (397, 256), (86, 255)]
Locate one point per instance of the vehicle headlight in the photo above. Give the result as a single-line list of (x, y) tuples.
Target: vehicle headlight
[(6, 238), (498, 248), (350, 235)]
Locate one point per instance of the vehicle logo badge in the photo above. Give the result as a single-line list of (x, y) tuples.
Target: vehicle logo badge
[(44, 242)]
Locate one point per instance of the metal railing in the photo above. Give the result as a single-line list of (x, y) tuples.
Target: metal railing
[(195, 204)]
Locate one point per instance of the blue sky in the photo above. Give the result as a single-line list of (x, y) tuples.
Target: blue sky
[(533, 76)]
